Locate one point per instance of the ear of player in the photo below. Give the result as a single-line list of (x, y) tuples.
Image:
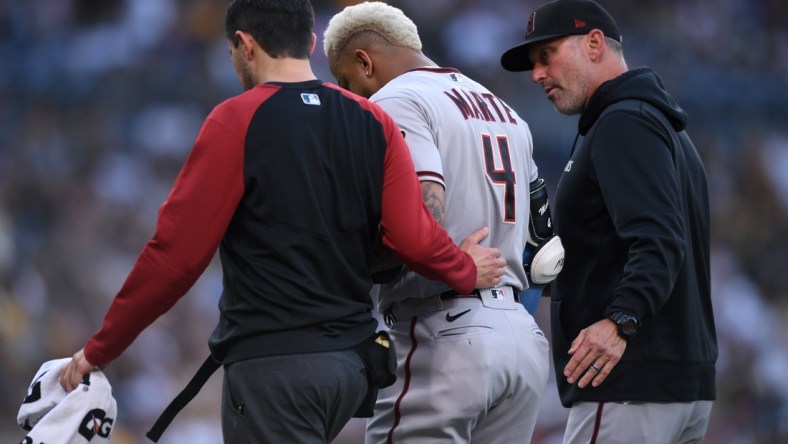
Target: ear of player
[(543, 257)]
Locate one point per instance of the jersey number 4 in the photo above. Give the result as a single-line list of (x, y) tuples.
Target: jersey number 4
[(504, 175)]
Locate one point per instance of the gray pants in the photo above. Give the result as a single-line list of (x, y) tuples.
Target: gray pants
[(302, 398), (637, 422), (472, 371)]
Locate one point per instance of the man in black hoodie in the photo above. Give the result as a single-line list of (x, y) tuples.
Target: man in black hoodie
[(633, 332)]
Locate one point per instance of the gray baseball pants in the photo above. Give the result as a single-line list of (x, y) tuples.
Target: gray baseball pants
[(472, 370), (640, 422)]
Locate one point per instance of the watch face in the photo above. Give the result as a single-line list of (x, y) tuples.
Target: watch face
[(628, 327)]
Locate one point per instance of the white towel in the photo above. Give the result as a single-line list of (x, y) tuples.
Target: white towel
[(52, 416)]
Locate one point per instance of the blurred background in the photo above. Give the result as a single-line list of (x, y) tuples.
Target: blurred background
[(101, 101)]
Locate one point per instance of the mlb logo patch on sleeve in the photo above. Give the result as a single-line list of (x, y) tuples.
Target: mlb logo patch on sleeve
[(310, 99)]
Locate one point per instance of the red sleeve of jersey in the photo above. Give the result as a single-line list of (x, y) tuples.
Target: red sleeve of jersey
[(191, 224), (410, 230)]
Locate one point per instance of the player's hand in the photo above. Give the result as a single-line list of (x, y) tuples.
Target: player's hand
[(597, 347), (489, 263), (71, 375)]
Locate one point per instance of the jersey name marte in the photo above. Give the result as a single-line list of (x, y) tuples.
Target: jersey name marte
[(475, 105)]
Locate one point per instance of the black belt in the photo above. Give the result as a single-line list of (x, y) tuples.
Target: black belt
[(388, 316), (452, 294)]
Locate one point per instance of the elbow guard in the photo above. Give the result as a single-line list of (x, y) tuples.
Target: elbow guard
[(544, 255)]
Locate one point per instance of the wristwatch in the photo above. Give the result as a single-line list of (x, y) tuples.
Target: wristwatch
[(627, 325)]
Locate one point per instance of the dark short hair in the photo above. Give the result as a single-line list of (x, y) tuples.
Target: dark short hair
[(283, 28)]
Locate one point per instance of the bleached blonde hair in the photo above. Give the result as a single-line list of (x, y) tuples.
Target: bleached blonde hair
[(386, 22)]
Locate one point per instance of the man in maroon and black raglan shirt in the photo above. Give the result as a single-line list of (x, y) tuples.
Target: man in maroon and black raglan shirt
[(291, 180)]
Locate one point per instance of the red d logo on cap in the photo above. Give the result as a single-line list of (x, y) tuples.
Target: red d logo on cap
[(530, 27)]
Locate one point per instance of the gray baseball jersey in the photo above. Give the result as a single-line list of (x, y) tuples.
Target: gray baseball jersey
[(467, 139), (468, 368)]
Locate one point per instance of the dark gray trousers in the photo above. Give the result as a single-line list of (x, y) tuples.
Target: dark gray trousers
[(301, 398)]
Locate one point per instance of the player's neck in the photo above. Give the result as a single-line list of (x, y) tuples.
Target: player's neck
[(287, 70), (397, 61), (418, 60)]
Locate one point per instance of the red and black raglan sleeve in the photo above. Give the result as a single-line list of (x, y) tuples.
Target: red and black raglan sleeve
[(191, 224)]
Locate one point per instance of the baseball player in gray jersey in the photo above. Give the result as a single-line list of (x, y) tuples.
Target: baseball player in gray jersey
[(470, 367)]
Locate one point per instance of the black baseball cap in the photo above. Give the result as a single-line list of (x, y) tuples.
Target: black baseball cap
[(559, 18)]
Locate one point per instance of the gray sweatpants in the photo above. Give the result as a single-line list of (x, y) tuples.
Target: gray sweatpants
[(301, 398)]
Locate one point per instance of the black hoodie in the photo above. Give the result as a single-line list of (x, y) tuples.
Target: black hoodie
[(632, 211)]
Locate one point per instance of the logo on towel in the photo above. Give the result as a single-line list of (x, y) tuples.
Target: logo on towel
[(95, 423), (34, 392)]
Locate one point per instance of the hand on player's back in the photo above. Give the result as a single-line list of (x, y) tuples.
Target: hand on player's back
[(489, 263)]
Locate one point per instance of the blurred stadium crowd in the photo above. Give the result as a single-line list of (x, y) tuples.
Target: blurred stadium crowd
[(100, 102)]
